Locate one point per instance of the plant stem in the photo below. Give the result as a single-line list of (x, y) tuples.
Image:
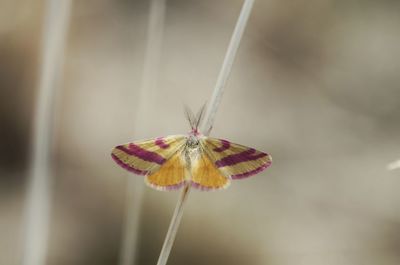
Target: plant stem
[(134, 192), (226, 67), (38, 193), (174, 225), (209, 120)]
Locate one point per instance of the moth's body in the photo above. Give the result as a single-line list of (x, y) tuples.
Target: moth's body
[(191, 151), (207, 163)]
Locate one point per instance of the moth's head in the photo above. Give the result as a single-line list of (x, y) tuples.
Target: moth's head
[(194, 120), (192, 142)]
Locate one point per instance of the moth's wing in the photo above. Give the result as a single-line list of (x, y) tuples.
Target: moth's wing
[(205, 175), (158, 159), (171, 175), (235, 161)]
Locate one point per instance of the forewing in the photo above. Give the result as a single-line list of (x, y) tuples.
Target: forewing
[(146, 157), (206, 176), (235, 161)]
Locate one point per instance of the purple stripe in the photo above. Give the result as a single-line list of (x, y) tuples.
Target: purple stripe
[(204, 188), (225, 145), (168, 187), (160, 142), (128, 167), (252, 172), (175, 187), (247, 155), (142, 153)]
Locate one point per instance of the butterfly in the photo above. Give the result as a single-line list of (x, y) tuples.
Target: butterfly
[(168, 163)]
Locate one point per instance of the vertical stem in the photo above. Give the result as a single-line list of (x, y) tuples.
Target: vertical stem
[(226, 66), (38, 197), (209, 118), (174, 225), (134, 192), (155, 32)]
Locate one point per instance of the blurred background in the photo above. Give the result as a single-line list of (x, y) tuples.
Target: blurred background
[(315, 84)]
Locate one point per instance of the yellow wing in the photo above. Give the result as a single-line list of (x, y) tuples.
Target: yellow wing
[(233, 160), (171, 175), (205, 176), (158, 159)]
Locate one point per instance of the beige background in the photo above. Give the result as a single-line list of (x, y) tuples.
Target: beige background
[(315, 84)]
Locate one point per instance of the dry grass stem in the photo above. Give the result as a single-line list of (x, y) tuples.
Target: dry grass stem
[(134, 192), (209, 120), (38, 197)]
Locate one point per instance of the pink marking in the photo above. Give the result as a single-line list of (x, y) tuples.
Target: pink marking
[(160, 142), (252, 172), (137, 151), (128, 167), (167, 188), (204, 188), (225, 146), (244, 156), (195, 132), (175, 187)]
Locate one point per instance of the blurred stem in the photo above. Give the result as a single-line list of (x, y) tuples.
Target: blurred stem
[(38, 197), (134, 192), (209, 120), (394, 165)]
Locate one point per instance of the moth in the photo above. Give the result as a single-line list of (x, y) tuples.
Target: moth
[(168, 163)]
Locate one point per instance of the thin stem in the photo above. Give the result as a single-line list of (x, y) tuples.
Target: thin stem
[(38, 197), (209, 118), (134, 192), (226, 66), (174, 225)]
